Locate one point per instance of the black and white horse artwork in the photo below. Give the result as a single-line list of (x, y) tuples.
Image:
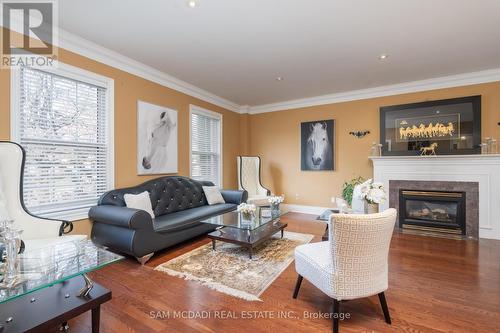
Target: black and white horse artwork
[(157, 142), (317, 142)]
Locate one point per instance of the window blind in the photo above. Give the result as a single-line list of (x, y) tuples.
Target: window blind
[(206, 147), (63, 127)]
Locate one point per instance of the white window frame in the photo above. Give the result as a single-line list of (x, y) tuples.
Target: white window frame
[(85, 76), (201, 111)]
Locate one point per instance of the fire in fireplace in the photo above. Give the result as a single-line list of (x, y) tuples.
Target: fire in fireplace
[(433, 211)]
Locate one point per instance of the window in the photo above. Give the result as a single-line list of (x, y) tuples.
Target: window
[(63, 119), (206, 145)]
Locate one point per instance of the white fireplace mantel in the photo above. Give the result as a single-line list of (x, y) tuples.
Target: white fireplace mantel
[(483, 169)]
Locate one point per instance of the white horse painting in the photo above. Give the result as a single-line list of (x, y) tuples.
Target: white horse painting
[(317, 145), (157, 139)]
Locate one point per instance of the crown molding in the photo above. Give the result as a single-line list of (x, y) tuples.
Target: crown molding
[(244, 109), (450, 81), (91, 50), (86, 48)]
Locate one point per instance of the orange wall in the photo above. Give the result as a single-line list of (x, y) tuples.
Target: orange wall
[(128, 89), (275, 136)]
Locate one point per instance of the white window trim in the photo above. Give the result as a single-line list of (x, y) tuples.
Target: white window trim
[(80, 74), (199, 110)]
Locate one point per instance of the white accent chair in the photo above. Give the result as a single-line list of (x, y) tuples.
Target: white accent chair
[(353, 263), (37, 232), (249, 180)]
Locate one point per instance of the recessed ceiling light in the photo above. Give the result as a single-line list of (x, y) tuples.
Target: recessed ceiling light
[(192, 3), (279, 78), (383, 56)]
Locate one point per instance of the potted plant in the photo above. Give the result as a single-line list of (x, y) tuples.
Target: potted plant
[(348, 188), (374, 194)]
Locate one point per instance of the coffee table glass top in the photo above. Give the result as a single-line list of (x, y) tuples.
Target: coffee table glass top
[(234, 219), (47, 266)]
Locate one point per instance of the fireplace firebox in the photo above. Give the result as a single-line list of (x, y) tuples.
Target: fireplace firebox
[(432, 211)]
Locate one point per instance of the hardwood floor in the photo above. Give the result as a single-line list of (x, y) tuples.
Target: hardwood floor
[(435, 285)]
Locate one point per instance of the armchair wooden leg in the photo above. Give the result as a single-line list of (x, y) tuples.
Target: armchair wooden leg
[(297, 286), (385, 309), (336, 314)]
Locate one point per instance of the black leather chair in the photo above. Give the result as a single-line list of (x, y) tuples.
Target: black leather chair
[(179, 204)]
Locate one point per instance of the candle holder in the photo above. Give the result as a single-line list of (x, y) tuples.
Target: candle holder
[(493, 146), (12, 245), (376, 149)]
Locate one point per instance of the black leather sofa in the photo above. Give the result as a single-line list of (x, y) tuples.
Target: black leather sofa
[(179, 203)]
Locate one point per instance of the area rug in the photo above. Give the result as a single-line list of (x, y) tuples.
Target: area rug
[(229, 270)]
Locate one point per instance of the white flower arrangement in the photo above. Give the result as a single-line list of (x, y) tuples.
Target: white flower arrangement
[(276, 199), (246, 208), (373, 192)]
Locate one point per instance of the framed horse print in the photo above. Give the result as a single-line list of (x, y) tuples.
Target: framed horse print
[(317, 145), (156, 139)]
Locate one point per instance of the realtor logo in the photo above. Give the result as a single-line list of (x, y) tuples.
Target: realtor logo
[(28, 34)]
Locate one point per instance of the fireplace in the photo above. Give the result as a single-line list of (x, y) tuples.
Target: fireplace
[(432, 211)]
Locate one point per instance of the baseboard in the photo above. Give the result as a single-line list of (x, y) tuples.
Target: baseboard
[(315, 210)]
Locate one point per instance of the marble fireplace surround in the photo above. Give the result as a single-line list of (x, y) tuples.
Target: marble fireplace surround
[(481, 169), (471, 190)]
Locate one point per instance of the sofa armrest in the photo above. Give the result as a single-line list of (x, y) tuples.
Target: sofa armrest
[(121, 216), (234, 196)]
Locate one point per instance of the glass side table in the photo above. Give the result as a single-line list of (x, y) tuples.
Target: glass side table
[(53, 285)]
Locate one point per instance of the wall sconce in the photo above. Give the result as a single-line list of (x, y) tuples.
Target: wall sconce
[(359, 134)]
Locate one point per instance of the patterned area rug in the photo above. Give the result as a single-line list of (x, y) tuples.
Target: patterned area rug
[(229, 270)]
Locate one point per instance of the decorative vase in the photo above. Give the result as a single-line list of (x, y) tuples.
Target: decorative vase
[(247, 216), (13, 246), (371, 208), (275, 207)]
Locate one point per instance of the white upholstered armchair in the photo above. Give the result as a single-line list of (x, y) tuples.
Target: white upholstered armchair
[(353, 263), (37, 232), (249, 180)]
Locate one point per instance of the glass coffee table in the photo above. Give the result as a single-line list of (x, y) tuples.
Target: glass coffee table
[(233, 228), (52, 287)]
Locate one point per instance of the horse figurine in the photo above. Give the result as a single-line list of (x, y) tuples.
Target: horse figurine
[(428, 151)]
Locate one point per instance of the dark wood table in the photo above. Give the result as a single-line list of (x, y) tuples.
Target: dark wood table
[(245, 237), (325, 236), (53, 306)]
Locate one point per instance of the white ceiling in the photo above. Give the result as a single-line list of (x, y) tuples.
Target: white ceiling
[(236, 48)]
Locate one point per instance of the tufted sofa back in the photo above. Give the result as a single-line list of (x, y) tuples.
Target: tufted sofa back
[(168, 194)]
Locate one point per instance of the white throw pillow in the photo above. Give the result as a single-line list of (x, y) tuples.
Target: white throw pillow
[(213, 195), (139, 201), (4, 214)]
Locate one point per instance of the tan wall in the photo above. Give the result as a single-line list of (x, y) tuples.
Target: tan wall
[(244, 134), (275, 136), (128, 89)]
